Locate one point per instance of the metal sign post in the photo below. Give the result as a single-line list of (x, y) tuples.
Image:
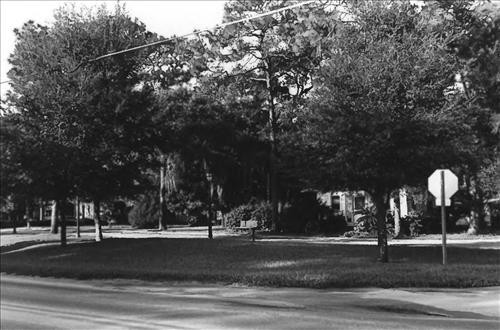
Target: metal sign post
[(443, 184), (443, 217)]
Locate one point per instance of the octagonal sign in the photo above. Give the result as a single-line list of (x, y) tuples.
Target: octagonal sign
[(450, 185)]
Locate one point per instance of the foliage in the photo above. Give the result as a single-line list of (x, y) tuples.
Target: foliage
[(189, 206), (238, 214), (326, 223), (260, 212), (213, 138), (384, 115), (116, 212), (266, 63), (365, 225), (412, 224), (85, 121), (475, 30), (303, 208), (145, 212)]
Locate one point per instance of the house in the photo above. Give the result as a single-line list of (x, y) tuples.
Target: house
[(46, 208), (353, 204)]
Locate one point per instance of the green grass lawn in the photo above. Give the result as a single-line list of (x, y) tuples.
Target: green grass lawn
[(265, 263)]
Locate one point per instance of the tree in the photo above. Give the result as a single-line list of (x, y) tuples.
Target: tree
[(271, 60), (386, 113), (88, 122), (211, 140), (32, 166), (475, 31)]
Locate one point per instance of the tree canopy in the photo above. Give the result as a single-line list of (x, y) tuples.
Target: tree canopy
[(387, 111), (88, 130)]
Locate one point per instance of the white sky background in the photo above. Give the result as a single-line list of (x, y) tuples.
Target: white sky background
[(163, 17)]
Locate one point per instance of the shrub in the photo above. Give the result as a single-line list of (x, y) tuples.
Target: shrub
[(237, 214), (336, 224), (495, 216), (115, 212), (411, 225), (327, 222), (262, 213), (181, 204), (302, 214), (196, 213), (145, 212), (431, 224), (365, 225)]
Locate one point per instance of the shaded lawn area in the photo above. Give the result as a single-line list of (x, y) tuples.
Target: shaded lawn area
[(231, 260)]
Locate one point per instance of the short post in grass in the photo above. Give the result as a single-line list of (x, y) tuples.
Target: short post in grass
[(443, 184)]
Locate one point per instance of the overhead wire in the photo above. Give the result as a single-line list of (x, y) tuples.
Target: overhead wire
[(218, 26)]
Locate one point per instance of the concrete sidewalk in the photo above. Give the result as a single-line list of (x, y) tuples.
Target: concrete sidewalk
[(42, 235)]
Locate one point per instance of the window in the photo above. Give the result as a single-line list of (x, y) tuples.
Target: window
[(336, 203), (359, 202)]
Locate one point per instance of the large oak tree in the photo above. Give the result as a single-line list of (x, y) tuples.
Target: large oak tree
[(88, 122), (387, 111)]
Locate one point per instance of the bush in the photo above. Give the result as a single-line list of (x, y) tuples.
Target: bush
[(261, 212), (181, 204), (237, 214), (411, 225), (495, 216), (327, 222), (146, 212), (302, 214), (196, 213), (365, 226), (431, 224)]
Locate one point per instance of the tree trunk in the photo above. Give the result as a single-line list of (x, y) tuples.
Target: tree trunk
[(273, 181), (97, 221), (476, 222), (27, 214), (62, 222), (397, 222), (210, 197), (381, 207), (163, 207), (13, 216), (77, 215), (477, 213), (53, 218), (210, 217), (40, 216)]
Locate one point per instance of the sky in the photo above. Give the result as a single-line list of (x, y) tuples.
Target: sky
[(163, 17)]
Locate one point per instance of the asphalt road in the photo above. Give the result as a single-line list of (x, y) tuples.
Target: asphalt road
[(36, 303)]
